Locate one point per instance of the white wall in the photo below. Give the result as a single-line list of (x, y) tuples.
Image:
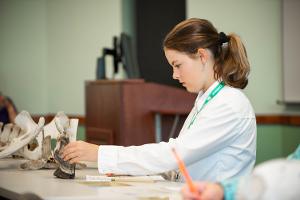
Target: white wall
[(49, 48), (259, 25)]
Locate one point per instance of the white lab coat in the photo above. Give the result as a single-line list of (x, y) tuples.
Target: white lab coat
[(220, 144)]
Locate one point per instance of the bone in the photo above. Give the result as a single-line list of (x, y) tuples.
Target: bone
[(5, 133), (46, 148), (33, 149), (11, 131), (33, 141), (80, 165), (50, 165), (59, 126), (51, 129), (72, 129), (33, 164), (67, 130), (65, 170), (1, 143), (15, 133), (3, 146), (25, 122)]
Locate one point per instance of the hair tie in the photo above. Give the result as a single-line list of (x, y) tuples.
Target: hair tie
[(223, 38)]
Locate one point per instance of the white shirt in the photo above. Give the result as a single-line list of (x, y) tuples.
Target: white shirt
[(220, 144)]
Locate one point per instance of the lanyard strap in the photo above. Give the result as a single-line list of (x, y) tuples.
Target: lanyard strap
[(213, 93)]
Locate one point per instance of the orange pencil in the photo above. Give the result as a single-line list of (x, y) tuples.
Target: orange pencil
[(185, 173)]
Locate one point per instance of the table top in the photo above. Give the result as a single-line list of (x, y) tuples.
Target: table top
[(14, 182)]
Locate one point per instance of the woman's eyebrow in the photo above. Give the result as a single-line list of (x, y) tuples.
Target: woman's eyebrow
[(173, 62)]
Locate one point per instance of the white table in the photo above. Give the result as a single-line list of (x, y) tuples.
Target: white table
[(14, 182)]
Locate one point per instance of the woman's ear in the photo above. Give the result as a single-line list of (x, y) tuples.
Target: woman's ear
[(203, 55)]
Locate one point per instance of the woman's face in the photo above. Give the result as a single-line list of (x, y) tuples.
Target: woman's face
[(192, 73)]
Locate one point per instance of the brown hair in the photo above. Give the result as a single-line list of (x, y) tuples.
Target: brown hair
[(231, 62)]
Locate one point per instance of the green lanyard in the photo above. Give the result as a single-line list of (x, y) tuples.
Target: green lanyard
[(213, 93)]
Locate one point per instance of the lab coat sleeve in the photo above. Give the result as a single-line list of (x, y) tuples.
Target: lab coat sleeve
[(214, 130), (136, 160)]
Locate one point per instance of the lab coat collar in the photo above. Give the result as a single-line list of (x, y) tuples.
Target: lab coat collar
[(203, 95)]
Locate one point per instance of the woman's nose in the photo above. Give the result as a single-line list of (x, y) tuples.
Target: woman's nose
[(175, 75)]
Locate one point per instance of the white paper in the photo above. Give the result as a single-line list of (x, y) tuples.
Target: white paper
[(124, 178)]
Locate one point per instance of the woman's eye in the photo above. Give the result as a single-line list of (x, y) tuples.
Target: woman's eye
[(177, 66)]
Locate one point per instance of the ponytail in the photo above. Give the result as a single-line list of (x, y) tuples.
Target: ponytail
[(232, 63)]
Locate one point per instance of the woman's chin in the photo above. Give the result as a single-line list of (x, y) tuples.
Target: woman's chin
[(189, 89), (192, 90)]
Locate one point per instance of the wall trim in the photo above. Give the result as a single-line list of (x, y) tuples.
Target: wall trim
[(293, 120)]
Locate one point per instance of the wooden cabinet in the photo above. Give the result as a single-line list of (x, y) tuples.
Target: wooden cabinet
[(122, 112)]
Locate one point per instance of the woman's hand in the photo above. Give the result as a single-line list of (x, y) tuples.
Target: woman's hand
[(206, 191), (80, 151)]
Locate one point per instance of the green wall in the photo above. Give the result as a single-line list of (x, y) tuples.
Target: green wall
[(23, 53), (81, 133), (49, 49), (275, 141), (259, 25), (290, 139)]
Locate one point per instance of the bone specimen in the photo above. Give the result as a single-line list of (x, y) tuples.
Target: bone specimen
[(32, 141), (30, 130), (67, 132), (46, 156), (33, 151), (51, 129), (5, 133)]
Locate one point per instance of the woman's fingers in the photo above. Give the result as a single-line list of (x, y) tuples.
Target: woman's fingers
[(80, 151), (70, 151), (70, 156), (66, 153), (75, 160)]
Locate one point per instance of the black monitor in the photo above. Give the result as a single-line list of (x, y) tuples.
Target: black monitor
[(100, 69), (129, 57), (122, 52)]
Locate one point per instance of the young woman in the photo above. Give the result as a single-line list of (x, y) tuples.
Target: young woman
[(218, 138)]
